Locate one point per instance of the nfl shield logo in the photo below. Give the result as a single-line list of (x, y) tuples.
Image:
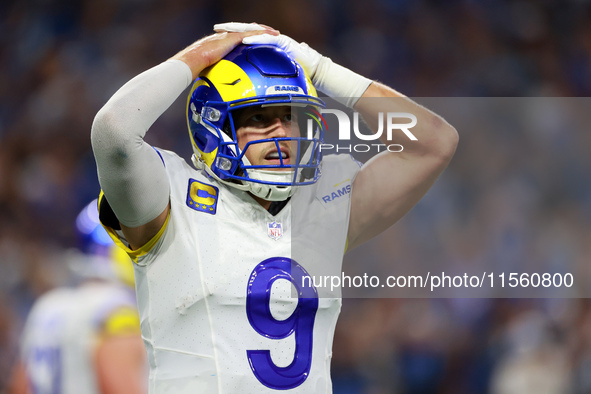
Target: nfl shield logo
[(274, 230)]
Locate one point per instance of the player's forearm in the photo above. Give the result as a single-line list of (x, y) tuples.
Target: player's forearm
[(130, 172), (402, 178), (127, 116), (434, 136)]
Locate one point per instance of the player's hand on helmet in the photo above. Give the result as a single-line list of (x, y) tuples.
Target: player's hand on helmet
[(209, 50), (336, 81), (239, 27), (308, 58)]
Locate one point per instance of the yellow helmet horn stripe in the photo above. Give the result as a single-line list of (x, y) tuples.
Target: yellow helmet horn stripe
[(231, 81)]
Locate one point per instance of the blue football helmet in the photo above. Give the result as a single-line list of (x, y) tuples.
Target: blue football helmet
[(97, 255), (255, 75)]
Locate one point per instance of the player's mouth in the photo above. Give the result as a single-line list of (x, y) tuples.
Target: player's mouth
[(274, 157)]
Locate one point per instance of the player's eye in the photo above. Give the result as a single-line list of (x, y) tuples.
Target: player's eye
[(257, 118), (287, 117)]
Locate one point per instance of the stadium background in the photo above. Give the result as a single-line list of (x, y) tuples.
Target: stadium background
[(511, 197)]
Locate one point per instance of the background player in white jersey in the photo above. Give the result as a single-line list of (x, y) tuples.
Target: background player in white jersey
[(86, 339), (219, 248)]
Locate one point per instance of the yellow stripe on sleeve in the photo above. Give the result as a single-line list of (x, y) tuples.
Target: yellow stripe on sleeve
[(123, 321), (137, 253)]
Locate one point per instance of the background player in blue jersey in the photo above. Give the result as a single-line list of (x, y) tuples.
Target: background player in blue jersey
[(85, 338)]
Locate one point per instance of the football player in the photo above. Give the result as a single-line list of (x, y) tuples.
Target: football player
[(86, 339), (222, 250)]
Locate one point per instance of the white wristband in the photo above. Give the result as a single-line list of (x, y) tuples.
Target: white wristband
[(339, 82)]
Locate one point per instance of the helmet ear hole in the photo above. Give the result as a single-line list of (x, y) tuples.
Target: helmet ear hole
[(227, 128)]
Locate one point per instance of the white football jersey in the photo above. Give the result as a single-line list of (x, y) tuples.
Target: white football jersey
[(225, 291), (61, 335)]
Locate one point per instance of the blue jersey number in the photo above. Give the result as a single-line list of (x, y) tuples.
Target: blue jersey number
[(45, 370), (300, 322)]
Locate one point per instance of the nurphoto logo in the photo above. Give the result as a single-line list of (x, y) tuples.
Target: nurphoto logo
[(395, 122)]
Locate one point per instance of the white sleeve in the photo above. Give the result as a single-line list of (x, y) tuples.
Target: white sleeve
[(130, 171)]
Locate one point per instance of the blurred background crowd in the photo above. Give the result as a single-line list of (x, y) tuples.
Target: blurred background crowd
[(516, 197)]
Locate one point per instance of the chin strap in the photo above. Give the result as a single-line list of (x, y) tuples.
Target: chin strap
[(268, 192), (261, 190)]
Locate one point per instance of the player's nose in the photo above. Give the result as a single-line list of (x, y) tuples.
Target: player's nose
[(279, 129)]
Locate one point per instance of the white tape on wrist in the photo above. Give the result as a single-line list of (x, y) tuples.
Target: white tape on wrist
[(339, 82)]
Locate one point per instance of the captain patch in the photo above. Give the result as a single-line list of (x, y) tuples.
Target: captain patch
[(202, 197)]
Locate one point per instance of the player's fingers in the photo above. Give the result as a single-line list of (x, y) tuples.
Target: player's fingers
[(238, 27), (262, 39), (260, 33), (269, 28)]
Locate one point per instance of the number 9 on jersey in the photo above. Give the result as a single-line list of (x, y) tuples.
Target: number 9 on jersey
[(300, 323)]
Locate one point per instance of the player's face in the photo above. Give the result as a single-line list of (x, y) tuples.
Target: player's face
[(256, 123)]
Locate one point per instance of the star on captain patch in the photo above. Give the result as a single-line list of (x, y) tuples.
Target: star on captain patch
[(274, 230)]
